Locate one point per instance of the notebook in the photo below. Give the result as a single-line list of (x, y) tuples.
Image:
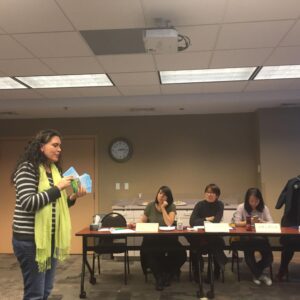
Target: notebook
[(146, 227)]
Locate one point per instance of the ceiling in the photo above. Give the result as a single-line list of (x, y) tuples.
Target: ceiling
[(43, 38)]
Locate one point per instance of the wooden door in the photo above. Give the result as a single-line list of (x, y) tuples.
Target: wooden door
[(10, 150), (78, 152)]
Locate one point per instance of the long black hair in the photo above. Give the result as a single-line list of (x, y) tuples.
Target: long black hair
[(167, 191), (33, 153), (256, 193)]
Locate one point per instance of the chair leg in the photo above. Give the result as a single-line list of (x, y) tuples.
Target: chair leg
[(232, 260), (235, 258), (93, 264), (128, 270), (99, 269), (190, 267), (125, 268), (238, 265)]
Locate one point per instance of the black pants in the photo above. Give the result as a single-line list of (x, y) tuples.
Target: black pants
[(213, 244), (290, 244), (162, 255), (252, 244)]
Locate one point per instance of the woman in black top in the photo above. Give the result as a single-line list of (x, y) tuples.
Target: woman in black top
[(210, 209)]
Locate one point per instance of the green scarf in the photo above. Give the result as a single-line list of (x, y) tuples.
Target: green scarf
[(43, 224)]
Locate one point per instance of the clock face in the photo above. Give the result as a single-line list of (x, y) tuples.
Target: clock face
[(120, 149)]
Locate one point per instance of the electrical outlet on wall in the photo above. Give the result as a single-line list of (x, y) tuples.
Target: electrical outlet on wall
[(126, 186), (118, 186)]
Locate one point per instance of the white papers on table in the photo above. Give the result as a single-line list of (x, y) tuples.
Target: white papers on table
[(166, 228), (216, 227), (120, 230), (267, 227), (195, 228), (104, 229)]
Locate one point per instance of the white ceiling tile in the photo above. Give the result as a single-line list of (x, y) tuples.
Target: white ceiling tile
[(24, 67), (293, 37), (223, 87), (32, 16), (202, 37), (146, 78), (104, 14), (74, 65), (260, 10), (60, 44), (139, 90), (295, 85), (19, 94), (79, 92), (187, 88), (284, 56), (183, 61), (252, 35), (127, 63), (182, 12), (239, 58), (59, 93), (9, 48), (268, 85), (98, 91)]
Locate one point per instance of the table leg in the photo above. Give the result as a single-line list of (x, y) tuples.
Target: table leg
[(84, 260), (200, 292), (211, 294)]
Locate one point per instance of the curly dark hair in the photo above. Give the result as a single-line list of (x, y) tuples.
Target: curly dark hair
[(33, 153)]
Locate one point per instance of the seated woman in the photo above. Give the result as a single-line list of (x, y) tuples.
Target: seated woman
[(210, 209), (254, 207), (163, 255)]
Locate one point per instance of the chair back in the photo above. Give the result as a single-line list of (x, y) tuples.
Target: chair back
[(114, 220)]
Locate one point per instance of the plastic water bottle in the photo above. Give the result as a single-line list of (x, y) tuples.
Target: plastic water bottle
[(179, 224)]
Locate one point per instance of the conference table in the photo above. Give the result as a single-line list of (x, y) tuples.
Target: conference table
[(86, 233)]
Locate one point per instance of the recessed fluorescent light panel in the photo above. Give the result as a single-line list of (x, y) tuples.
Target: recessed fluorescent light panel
[(65, 81), (7, 83), (206, 75), (279, 72)]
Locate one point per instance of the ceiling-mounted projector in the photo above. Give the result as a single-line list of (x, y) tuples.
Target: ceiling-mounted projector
[(161, 40)]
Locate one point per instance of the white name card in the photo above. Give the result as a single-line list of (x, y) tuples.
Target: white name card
[(267, 228), (216, 227)]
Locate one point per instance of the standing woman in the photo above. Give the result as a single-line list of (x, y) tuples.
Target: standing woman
[(163, 255), (41, 222), (255, 208)]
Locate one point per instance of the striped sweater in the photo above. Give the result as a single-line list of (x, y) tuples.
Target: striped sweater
[(29, 201)]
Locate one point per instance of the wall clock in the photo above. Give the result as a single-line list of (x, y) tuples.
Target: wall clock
[(120, 149)]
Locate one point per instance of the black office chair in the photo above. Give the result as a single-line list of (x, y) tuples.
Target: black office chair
[(111, 245)]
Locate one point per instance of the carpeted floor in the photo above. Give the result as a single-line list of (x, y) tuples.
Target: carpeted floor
[(110, 284)]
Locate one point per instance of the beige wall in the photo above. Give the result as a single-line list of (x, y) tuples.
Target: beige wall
[(184, 152), (279, 142)]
